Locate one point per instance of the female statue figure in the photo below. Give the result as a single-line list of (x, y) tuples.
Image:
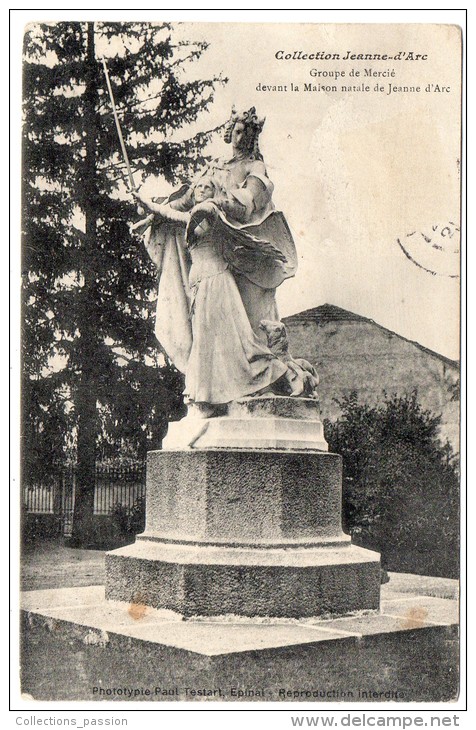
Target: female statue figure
[(221, 250), (247, 204)]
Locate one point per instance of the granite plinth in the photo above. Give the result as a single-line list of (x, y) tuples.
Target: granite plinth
[(245, 532), (244, 496)]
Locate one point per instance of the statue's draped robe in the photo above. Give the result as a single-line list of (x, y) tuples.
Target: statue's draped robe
[(165, 243), (213, 294), (256, 282)]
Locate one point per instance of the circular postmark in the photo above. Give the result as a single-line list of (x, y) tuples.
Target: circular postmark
[(434, 249)]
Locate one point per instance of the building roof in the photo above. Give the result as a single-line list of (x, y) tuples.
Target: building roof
[(331, 313)]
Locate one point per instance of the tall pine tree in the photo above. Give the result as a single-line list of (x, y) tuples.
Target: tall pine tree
[(90, 360)]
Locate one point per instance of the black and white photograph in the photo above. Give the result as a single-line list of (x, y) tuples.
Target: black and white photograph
[(240, 423)]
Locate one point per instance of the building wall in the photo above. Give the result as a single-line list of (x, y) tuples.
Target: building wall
[(359, 355)]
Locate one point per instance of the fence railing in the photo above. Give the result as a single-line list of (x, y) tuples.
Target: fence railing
[(118, 485), (114, 486), (39, 499)]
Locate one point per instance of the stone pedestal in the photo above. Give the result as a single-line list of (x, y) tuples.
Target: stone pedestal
[(264, 422), (252, 532)]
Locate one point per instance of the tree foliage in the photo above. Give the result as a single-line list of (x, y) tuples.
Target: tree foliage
[(92, 369), (400, 483)]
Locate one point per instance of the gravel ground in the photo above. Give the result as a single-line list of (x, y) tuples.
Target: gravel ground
[(52, 564), (424, 585)]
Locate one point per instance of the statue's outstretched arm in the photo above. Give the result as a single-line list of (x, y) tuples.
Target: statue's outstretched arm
[(162, 210)]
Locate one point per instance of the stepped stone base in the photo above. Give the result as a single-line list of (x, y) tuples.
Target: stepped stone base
[(245, 519), (245, 532), (290, 582)]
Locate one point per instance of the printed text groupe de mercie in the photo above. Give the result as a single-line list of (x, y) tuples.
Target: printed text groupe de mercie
[(349, 56)]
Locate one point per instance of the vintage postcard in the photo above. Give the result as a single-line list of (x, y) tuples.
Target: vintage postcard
[(241, 281)]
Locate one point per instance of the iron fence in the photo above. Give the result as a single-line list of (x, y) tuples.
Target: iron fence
[(115, 487)]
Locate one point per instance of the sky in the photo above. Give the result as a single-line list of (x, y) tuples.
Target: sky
[(368, 181)]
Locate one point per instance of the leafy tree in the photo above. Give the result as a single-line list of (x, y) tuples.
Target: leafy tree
[(91, 365), (400, 485)]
